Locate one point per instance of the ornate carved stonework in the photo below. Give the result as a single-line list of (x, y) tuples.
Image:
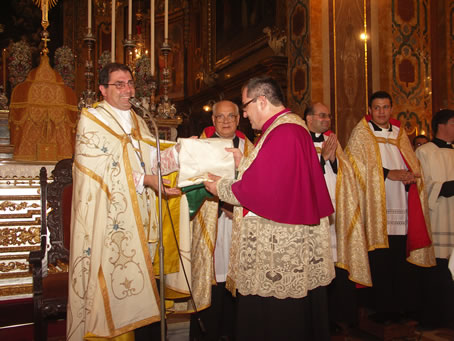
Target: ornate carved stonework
[(299, 71), (20, 220)]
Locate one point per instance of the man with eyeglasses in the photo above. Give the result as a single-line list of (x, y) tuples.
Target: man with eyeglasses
[(437, 162), (393, 209), (112, 288), (346, 229), (280, 257), (213, 225)]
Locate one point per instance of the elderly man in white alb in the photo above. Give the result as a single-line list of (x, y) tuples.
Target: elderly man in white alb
[(112, 291), (212, 226)]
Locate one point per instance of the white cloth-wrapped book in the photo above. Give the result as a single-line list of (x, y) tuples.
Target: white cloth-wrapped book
[(198, 157)]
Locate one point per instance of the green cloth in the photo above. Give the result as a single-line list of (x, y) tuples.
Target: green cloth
[(196, 195)]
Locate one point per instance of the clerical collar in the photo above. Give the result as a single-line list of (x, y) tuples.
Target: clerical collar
[(227, 138), (124, 114), (377, 128), (442, 144), (235, 139), (316, 138)]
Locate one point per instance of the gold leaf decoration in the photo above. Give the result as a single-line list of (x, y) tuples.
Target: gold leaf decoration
[(50, 3), (19, 236), (10, 266), (12, 206)]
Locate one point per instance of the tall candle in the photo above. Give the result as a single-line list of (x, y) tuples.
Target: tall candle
[(152, 62), (113, 32), (89, 15), (166, 20), (129, 18), (4, 69)]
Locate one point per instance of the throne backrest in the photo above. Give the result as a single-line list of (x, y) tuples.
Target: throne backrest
[(59, 196)]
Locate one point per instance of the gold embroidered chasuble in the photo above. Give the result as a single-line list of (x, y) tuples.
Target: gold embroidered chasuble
[(285, 249), (112, 288), (351, 237), (364, 154)]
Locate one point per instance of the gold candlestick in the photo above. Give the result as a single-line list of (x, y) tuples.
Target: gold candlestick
[(88, 96), (165, 108)]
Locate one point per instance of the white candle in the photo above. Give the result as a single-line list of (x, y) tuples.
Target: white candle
[(152, 62), (166, 20), (129, 18), (89, 15), (113, 32)]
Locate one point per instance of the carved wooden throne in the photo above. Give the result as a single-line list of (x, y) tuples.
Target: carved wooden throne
[(50, 293)]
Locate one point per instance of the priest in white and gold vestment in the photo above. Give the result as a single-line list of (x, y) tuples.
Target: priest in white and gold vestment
[(112, 289)]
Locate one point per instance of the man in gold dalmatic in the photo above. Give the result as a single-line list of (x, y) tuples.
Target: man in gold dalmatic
[(112, 291), (394, 210), (348, 238)]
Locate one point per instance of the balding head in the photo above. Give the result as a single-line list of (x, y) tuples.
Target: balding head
[(225, 118)]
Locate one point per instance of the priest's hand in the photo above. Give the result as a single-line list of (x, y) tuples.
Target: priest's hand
[(237, 155), (403, 175), (329, 148), (152, 181), (229, 214), (211, 185)]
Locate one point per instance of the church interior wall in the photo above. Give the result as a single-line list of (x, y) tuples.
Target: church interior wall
[(409, 52)]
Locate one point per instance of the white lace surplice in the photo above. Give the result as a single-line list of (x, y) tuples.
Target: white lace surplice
[(396, 196)]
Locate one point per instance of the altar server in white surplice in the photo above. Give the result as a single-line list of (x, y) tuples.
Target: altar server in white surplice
[(437, 162)]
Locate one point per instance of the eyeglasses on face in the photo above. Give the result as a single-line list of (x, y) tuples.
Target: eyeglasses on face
[(227, 118), (122, 85), (244, 105), (323, 115)]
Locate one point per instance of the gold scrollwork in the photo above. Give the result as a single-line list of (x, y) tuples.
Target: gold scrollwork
[(11, 266), (19, 236), (12, 206)]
